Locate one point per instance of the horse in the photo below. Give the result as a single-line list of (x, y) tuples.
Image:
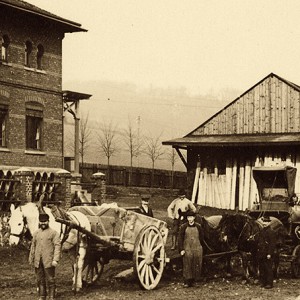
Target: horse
[(213, 244), (25, 218), (242, 232)]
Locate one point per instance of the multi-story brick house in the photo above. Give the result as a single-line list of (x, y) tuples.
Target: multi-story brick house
[(31, 98), (31, 105)]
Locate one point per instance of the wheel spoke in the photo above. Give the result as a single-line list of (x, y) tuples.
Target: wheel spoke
[(147, 275), (141, 256), (156, 270), (149, 239), (154, 241), (151, 274), (141, 264), (156, 248), (143, 271)]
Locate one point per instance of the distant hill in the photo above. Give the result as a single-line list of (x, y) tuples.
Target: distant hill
[(171, 113)]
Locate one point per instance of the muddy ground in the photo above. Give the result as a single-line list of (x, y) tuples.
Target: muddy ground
[(17, 280)]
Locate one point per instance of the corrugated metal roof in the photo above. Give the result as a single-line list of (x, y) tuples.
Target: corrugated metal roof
[(236, 140), (70, 26)]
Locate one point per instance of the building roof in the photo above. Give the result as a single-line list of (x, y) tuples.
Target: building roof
[(236, 140), (293, 85), (70, 96), (203, 140), (69, 26)]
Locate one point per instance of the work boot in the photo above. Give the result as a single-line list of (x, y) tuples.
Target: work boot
[(42, 292)]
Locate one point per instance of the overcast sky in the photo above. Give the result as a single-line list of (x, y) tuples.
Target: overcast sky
[(200, 45)]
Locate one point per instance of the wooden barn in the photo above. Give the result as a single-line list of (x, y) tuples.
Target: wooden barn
[(259, 128)]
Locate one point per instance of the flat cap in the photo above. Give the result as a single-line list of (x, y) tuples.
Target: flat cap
[(43, 217)]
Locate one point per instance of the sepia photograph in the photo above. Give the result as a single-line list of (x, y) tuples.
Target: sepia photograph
[(149, 149)]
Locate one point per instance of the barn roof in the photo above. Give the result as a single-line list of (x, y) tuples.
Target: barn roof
[(69, 26), (200, 139), (293, 85)]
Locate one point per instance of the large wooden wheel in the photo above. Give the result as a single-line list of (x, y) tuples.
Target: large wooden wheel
[(92, 269), (149, 257), (295, 264)]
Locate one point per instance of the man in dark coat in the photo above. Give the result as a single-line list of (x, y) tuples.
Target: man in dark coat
[(145, 209), (265, 253), (190, 239), (44, 255)]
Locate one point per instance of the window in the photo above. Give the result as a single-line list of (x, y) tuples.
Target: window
[(39, 56), (3, 125), (4, 48), (28, 50), (34, 121)]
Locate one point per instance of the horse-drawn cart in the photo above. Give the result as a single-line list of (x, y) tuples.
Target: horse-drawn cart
[(276, 187), (119, 233)]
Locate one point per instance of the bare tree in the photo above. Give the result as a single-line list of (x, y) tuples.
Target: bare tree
[(133, 143), (84, 136), (107, 139), (154, 151), (172, 157)]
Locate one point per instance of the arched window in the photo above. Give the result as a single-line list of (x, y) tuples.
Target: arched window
[(4, 48), (39, 56), (28, 50)]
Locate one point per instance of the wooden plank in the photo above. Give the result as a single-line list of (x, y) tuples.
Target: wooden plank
[(273, 104), (201, 200), (241, 185), (267, 106), (297, 112), (205, 185), (228, 182), (233, 184), (196, 182), (247, 185)]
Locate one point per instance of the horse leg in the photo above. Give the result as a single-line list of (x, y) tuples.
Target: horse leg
[(228, 266), (78, 267), (245, 266), (276, 265)]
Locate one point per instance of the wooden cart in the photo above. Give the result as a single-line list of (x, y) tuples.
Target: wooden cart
[(276, 187), (119, 233)]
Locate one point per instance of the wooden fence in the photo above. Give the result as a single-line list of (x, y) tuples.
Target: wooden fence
[(139, 177)]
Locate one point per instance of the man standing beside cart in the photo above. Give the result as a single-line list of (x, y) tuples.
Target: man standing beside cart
[(44, 255), (266, 248), (176, 211), (190, 240)]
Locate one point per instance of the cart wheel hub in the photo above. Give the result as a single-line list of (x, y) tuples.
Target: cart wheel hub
[(149, 259)]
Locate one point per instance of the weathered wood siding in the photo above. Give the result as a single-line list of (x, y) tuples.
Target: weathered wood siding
[(272, 106)]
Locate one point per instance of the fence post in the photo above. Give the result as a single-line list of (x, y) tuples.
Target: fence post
[(24, 189), (64, 189), (99, 192)]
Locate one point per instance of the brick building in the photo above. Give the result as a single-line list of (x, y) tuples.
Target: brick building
[(31, 99), (31, 107)]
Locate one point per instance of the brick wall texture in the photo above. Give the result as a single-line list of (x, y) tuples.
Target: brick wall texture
[(20, 86)]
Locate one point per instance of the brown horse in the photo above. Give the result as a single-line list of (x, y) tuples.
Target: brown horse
[(242, 232)]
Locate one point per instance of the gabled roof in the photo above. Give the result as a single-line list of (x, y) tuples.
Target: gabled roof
[(293, 85), (217, 140), (69, 26)]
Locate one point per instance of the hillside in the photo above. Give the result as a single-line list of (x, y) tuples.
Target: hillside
[(168, 113)]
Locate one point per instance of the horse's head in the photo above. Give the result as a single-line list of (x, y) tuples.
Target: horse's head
[(16, 224)]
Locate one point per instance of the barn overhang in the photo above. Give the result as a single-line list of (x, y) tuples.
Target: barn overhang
[(237, 140)]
